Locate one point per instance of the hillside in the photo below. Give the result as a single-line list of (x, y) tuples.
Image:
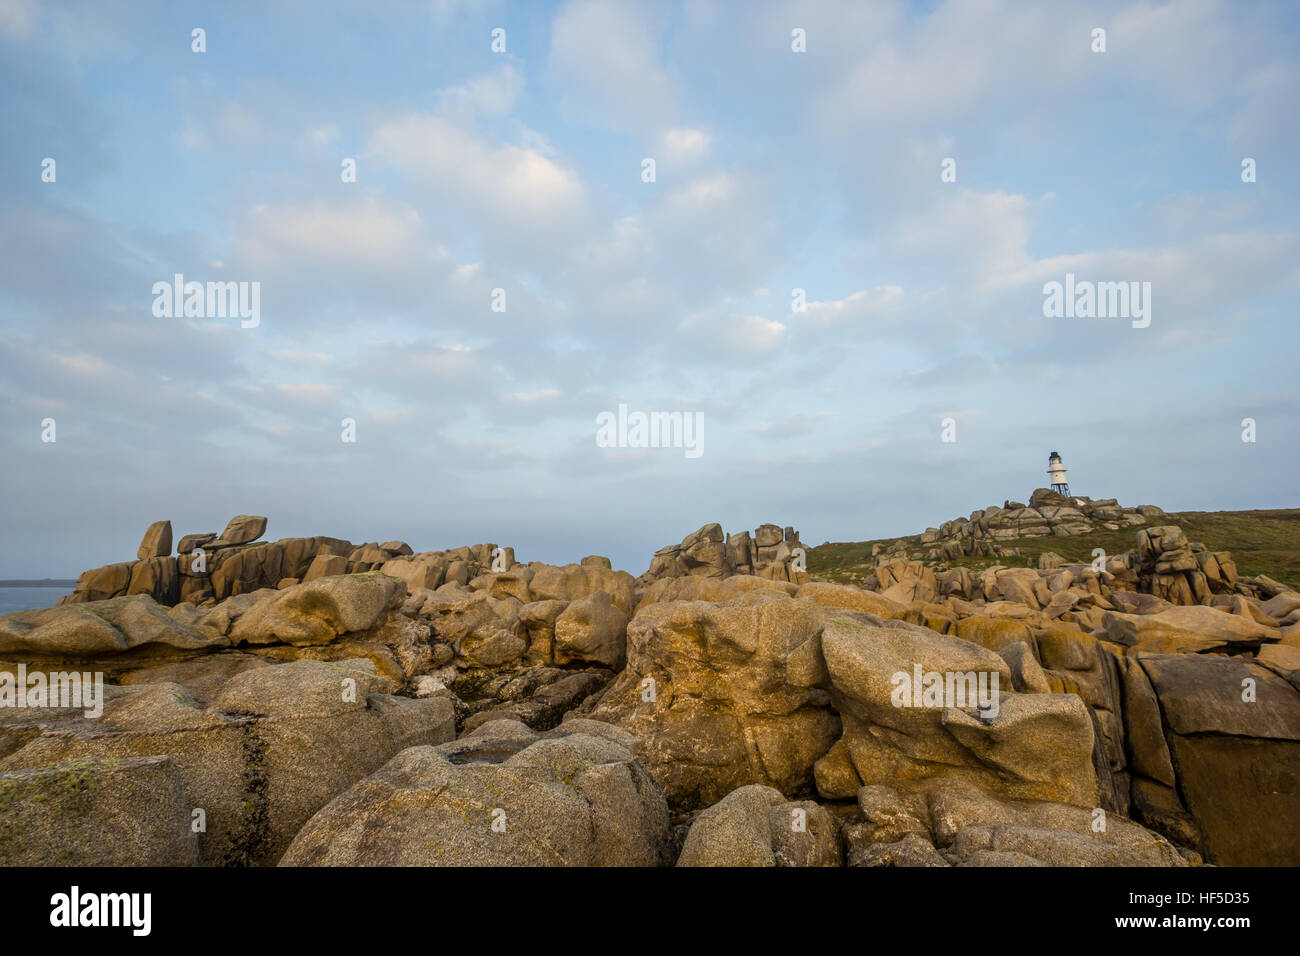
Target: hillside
[(1261, 542)]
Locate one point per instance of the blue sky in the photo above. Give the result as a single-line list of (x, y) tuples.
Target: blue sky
[(522, 171)]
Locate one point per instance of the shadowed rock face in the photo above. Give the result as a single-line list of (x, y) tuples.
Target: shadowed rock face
[(758, 826), (721, 695), (502, 795), (1233, 732), (273, 746)]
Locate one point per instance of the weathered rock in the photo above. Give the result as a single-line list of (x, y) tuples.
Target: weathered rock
[(97, 629), (501, 795), (242, 529), (320, 611), (592, 630), (724, 695), (96, 812), (1186, 630), (192, 541), (1027, 676), (1233, 729), (274, 745), (574, 582), (850, 599), (912, 850), (325, 566), (1031, 746), (757, 826), (538, 621), (416, 573), (157, 541)]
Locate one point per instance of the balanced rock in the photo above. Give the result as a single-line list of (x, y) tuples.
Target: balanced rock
[(157, 542), (243, 528)]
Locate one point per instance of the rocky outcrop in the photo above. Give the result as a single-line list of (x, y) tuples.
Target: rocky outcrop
[(952, 823), (723, 695), (208, 568), (1024, 746), (1048, 513), (1071, 713), (1181, 571), (770, 552), (501, 795)]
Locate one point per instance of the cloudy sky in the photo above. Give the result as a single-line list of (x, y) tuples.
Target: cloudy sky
[(522, 170)]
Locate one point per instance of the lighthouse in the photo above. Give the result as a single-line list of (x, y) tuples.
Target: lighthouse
[(1056, 471)]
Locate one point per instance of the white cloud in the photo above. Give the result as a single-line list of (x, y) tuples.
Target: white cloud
[(863, 304), (531, 398), (237, 123), (313, 394), (492, 94), (971, 234), (361, 233), (511, 184), (17, 18), (681, 145), (732, 335), (604, 57)]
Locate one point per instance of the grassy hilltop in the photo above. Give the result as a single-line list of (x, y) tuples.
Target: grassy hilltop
[(1261, 542)]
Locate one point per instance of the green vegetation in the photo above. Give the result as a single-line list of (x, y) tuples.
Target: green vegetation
[(1261, 542)]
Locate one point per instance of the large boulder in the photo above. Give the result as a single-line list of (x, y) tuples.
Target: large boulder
[(417, 572), (499, 796), (157, 541), (273, 746), (722, 695), (572, 582), (967, 724), (758, 826), (326, 566), (96, 812), (1196, 629), (1233, 730), (850, 599), (319, 611), (592, 630), (242, 529), (99, 628), (949, 821), (157, 577)]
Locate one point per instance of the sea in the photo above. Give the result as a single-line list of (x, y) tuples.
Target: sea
[(25, 598)]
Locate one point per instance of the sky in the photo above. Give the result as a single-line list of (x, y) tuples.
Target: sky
[(501, 272)]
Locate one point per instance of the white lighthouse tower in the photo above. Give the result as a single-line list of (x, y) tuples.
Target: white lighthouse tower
[(1057, 472)]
